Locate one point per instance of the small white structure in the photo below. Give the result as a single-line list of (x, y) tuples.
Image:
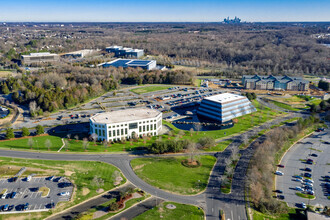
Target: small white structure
[(128, 123), (224, 107)]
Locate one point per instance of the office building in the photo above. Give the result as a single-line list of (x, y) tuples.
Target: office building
[(225, 107), (256, 82), (126, 124), (144, 64), (44, 57), (121, 51)]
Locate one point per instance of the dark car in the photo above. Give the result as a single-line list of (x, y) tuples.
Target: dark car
[(308, 169), (309, 162), (314, 155), (13, 194), (26, 206), (308, 175), (280, 197), (280, 165), (278, 191)]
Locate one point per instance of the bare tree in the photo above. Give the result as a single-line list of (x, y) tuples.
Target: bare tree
[(192, 151), (94, 138), (145, 140), (181, 133), (105, 144), (66, 144), (48, 144), (198, 127), (76, 137), (191, 131), (98, 181), (85, 143), (68, 136), (30, 142)]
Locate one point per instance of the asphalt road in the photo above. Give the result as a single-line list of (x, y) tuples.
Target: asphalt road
[(294, 166), (212, 200)]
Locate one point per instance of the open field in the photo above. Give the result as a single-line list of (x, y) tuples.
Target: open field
[(5, 73), (182, 212), (146, 89), (81, 173), (169, 174), (293, 214)]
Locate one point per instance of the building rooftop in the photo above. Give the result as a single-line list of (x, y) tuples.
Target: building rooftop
[(39, 54), (126, 115), (127, 63), (224, 97)]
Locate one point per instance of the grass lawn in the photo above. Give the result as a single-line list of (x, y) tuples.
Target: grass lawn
[(220, 146), (306, 196), (81, 173), (146, 89), (169, 174), (292, 214), (182, 212), (285, 106), (44, 191)]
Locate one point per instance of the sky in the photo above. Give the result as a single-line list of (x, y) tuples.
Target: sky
[(162, 10)]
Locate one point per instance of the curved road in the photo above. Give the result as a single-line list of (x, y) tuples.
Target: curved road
[(211, 200)]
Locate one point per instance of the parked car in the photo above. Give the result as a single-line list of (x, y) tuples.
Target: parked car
[(278, 191), (279, 173), (5, 207), (308, 175), (13, 194), (308, 169), (297, 180), (308, 181), (298, 177), (4, 196), (309, 162), (26, 206), (320, 129), (309, 184), (310, 192), (298, 188), (314, 155), (303, 205), (64, 194), (280, 165)]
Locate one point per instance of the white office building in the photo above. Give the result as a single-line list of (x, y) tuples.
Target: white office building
[(125, 124), (225, 107)]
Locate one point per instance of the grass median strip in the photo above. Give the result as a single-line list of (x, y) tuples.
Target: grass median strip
[(306, 196), (179, 211), (169, 174), (146, 89), (44, 191)]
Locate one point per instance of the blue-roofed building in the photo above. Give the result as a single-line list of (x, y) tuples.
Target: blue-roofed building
[(121, 51), (144, 64)]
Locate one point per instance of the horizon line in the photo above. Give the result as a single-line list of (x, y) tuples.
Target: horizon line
[(242, 22)]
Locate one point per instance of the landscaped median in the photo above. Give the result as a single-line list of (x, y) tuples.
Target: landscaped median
[(171, 211), (306, 196), (152, 88), (171, 175)]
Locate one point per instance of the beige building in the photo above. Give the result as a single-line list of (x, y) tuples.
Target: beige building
[(40, 58)]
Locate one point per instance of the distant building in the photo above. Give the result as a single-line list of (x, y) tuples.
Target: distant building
[(121, 51), (236, 20), (256, 82), (78, 54), (125, 124), (144, 64), (40, 58), (225, 107)]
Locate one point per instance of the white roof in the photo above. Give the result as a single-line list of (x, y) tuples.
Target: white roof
[(224, 97), (126, 115), (40, 54)]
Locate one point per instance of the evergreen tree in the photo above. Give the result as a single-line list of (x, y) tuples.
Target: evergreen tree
[(25, 132), (40, 129), (10, 133)]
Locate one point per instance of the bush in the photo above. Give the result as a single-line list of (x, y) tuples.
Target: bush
[(206, 142), (40, 129), (25, 132), (10, 133), (113, 206)]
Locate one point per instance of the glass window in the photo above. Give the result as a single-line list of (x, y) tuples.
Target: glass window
[(122, 125), (122, 131), (140, 128), (133, 125), (114, 132), (155, 126), (109, 133), (147, 127), (125, 130), (144, 128), (118, 132), (103, 133)]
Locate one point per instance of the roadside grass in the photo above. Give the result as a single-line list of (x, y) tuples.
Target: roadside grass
[(306, 196), (81, 173), (146, 89), (311, 148), (226, 188), (170, 175), (292, 214), (44, 191), (285, 106), (219, 147), (3, 191), (182, 212)]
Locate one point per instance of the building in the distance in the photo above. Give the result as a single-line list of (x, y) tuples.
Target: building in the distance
[(121, 51), (225, 107), (144, 64), (257, 82), (78, 54), (44, 57), (126, 124)]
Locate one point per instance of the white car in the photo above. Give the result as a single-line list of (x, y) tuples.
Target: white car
[(308, 184), (64, 194), (298, 188), (308, 181), (279, 173), (298, 180), (4, 196)]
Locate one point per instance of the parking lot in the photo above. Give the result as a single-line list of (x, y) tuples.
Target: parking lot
[(306, 170), (24, 195)]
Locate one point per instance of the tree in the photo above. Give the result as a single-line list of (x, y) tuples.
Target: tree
[(115, 175), (68, 136), (30, 142), (48, 144), (181, 133), (206, 142), (323, 105), (105, 144), (76, 137), (313, 108), (25, 132), (191, 131), (10, 133), (4, 88), (324, 85), (40, 129), (94, 138), (192, 151), (197, 127), (66, 144), (85, 143)]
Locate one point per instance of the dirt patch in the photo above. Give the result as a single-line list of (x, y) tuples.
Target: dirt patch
[(85, 191), (68, 173), (138, 167), (100, 190), (23, 217), (9, 170)]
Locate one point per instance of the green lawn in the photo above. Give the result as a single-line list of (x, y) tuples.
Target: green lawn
[(220, 146), (81, 173), (146, 89), (285, 106), (169, 174), (306, 196), (181, 212), (293, 214)]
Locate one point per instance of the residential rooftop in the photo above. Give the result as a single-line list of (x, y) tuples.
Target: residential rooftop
[(126, 115)]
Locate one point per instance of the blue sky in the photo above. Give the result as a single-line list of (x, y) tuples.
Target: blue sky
[(163, 10)]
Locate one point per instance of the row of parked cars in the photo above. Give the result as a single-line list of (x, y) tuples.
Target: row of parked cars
[(21, 207)]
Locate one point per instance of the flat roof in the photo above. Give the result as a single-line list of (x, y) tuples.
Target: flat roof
[(127, 62), (224, 97), (39, 54), (126, 115)]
